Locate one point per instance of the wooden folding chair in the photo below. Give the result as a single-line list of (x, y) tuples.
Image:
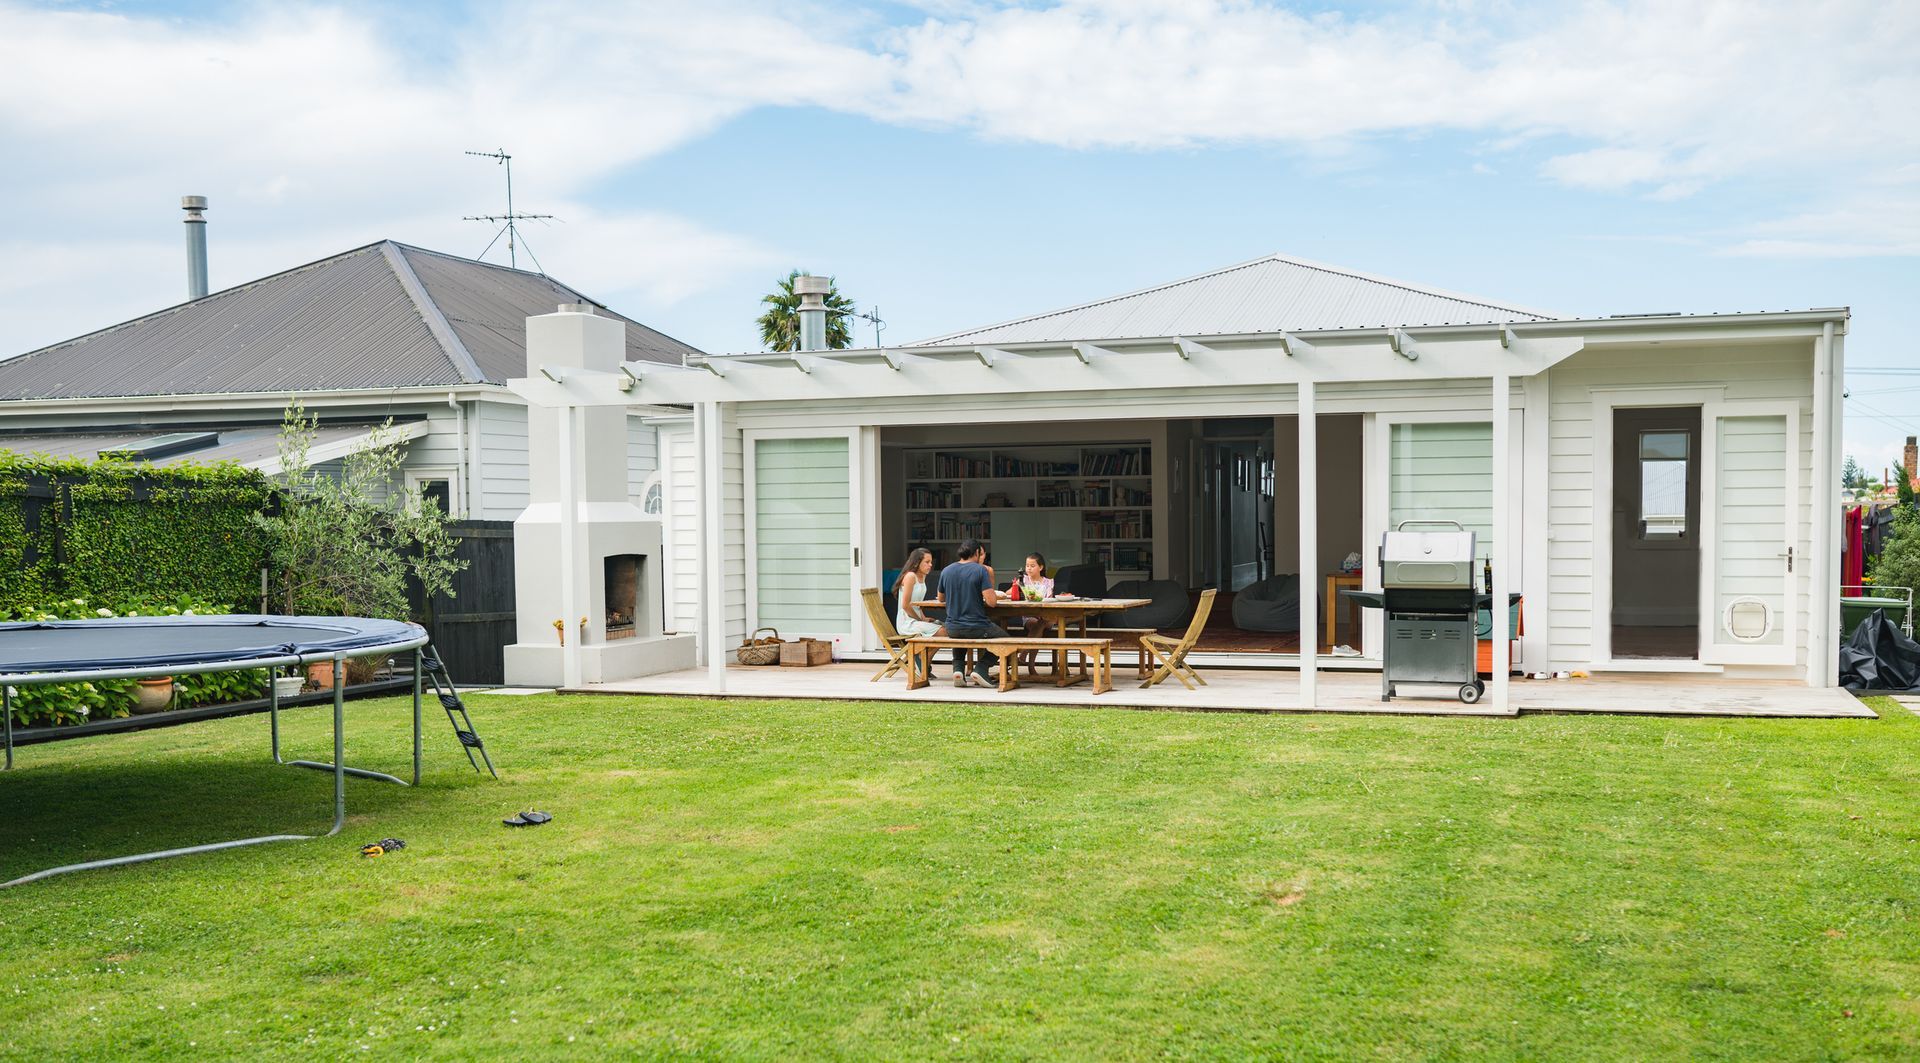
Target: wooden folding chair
[(1169, 656), (890, 637)]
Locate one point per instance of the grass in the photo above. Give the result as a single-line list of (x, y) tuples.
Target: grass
[(743, 880)]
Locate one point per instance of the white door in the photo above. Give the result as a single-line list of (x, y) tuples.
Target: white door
[(1750, 488), (802, 493)]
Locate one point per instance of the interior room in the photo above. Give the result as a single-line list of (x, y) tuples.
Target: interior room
[(1159, 509)]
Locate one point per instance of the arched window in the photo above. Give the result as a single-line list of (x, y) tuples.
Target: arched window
[(653, 500)]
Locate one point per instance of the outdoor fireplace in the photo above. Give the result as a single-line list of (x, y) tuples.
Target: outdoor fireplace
[(587, 602), (623, 593)]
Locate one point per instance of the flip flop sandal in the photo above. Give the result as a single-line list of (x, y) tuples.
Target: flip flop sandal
[(534, 819), (518, 819)]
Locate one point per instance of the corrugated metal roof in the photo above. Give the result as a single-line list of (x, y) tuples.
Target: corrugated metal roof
[(348, 322), (245, 444), (1272, 294)]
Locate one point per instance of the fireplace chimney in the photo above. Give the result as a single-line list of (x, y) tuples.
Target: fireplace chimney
[(813, 310), (196, 221), (1912, 464)]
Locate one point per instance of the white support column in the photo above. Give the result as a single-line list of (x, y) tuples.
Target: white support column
[(1309, 548), (1823, 579), (713, 554), (570, 631), (1502, 550)]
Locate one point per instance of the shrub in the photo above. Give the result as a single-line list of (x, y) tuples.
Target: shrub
[(1899, 562)]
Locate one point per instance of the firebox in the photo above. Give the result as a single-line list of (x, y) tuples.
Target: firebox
[(623, 594)]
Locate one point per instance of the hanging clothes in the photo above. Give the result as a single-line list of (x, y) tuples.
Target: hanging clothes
[(1854, 566)]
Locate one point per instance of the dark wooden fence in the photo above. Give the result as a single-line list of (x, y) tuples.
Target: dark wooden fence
[(471, 628)]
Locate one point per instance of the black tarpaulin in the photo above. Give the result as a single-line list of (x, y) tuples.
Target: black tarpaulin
[(1880, 657)]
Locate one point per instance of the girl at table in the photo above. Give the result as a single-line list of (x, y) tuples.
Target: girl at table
[(1033, 578)]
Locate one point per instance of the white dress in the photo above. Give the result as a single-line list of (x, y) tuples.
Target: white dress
[(906, 623)]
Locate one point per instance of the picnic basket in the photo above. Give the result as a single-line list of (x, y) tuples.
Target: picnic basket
[(757, 650)]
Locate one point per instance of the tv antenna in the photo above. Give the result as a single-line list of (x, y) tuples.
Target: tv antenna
[(510, 230), (871, 317)]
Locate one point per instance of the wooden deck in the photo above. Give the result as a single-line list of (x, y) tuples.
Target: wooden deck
[(1276, 690)]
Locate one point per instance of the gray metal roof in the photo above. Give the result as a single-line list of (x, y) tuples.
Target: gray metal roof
[(245, 444), (1272, 294), (382, 316)]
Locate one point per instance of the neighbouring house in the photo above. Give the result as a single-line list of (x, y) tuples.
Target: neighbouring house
[(382, 331), (1661, 488)]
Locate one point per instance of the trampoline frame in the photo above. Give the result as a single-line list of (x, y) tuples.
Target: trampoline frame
[(338, 766)]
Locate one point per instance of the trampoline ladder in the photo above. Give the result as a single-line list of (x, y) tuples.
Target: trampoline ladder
[(449, 696)]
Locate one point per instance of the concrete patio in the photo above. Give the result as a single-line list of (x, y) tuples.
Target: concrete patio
[(1276, 690)]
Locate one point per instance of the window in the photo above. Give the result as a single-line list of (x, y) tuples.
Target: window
[(438, 486), (653, 500), (1441, 471), (1664, 457)]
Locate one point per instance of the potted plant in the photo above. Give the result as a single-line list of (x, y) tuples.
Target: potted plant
[(320, 674), (153, 694), (289, 682)]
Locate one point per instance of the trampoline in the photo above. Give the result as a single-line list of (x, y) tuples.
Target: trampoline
[(70, 651)]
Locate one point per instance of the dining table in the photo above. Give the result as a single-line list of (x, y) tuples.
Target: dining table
[(1058, 615)]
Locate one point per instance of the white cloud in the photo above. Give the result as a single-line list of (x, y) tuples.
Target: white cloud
[(314, 128)]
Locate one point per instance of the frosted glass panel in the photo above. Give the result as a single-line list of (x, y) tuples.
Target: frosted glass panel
[(1750, 531), (803, 536), (1443, 472)]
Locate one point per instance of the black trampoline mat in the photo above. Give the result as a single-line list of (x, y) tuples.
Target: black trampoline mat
[(164, 641)]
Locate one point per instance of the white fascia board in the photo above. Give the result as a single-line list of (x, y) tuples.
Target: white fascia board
[(260, 400), (340, 448)]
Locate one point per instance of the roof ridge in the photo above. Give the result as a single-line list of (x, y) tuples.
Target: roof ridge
[(1338, 271), (431, 314)]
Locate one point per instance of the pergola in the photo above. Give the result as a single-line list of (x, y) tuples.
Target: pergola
[(1310, 365)]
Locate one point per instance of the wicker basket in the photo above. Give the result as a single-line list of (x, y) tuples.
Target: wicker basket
[(757, 650), (805, 653)]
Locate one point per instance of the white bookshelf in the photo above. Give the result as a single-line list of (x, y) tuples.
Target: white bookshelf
[(1097, 501)]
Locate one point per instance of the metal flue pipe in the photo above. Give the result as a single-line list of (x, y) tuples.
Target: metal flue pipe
[(813, 310), (196, 222)]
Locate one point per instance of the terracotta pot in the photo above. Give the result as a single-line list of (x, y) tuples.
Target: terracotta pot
[(153, 694), (320, 674)]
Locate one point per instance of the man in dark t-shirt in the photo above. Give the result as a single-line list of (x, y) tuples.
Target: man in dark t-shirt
[(967, 587)]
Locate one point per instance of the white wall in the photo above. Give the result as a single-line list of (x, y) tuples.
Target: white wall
[(687, 554), (1771, 371)]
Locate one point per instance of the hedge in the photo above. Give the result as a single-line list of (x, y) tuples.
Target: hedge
[(118, 532)]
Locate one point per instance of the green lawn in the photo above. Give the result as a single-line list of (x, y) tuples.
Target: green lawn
[(742, 880)]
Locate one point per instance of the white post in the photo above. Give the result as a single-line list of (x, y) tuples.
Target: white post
[(1502, 549), (1310, 581), (1822, 582), (570, 630), (713, 559)]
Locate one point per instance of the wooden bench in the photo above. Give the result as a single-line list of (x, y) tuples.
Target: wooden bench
[(1097, 652)]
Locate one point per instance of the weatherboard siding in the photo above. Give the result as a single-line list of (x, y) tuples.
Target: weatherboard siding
[(1771, 372)]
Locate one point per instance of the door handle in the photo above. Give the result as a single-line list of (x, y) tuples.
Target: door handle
[(1789, 556)]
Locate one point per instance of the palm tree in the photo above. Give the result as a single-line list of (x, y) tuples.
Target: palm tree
[(780, 325)]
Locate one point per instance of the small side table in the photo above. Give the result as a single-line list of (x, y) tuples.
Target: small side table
[(1336, 581)]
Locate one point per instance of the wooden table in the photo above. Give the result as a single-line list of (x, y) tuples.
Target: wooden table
[(1335, 581), (1057, 615)]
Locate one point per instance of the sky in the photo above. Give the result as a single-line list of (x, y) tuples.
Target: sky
[(954, 163)]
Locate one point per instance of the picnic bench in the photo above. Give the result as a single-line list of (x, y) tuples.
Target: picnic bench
[(1097, 653)]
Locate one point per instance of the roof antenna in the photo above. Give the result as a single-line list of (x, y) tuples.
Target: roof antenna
[(510, 230), (871, 317)]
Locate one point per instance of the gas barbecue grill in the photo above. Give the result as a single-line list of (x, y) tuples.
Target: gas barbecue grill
[(1426, 592)]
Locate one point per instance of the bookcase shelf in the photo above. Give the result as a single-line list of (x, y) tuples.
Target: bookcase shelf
[(1075, 502)]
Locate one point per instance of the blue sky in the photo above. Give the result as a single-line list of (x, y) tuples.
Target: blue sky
[(957, 163)]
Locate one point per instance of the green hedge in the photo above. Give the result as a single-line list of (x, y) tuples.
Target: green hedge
[(118, 532)]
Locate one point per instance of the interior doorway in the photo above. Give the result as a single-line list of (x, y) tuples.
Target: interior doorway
[(1656, 533), (1233, 537)]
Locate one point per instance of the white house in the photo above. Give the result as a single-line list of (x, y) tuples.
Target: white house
[(1661, 488), (382, 331)]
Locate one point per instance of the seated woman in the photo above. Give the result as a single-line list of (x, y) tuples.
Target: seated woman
[(909, 591)]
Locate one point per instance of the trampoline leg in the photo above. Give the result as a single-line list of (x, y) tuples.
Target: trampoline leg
[(6, 693), (417, 669), (339, 746), (339, 769), (273, 715)]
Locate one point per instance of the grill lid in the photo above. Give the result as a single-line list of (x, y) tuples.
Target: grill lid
[(1435, 554)]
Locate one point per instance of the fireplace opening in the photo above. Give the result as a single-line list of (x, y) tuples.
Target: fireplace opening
[(623, 595)]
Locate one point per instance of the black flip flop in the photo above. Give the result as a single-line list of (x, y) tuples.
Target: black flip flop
[(534, 819), (516, 820)]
